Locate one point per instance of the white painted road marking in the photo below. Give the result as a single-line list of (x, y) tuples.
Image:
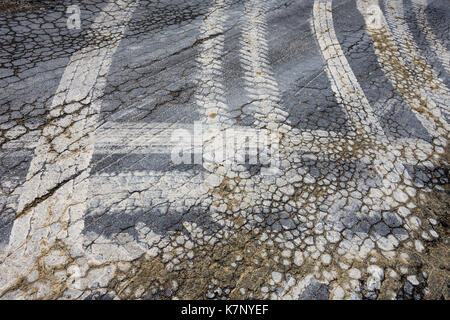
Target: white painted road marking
[(435, 88), (352, 98), (55, 191), (156, 138), (440, 49), (54, 214), (398, 74)]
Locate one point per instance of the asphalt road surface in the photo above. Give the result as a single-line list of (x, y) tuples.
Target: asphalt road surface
[(224, 149)]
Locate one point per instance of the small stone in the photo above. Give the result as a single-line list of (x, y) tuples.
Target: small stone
[(338, 294), (326, 259), (333, 236), (309, 179), (434, 234), (404, 212), (286, 253), (276, 276), (415, 223), (419, 246), (392, 219), (288, 190), (393, 274), (413, 280), (354, 273), (214, 180), (388, 243), (298, 258), (377, 276), (400, 196), (408, 287)]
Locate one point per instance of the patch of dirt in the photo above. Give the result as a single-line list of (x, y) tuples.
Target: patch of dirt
[(435, 261), (11, 7), (210, 270)]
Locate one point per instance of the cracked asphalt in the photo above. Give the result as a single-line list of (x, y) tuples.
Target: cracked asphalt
[(344, 196)]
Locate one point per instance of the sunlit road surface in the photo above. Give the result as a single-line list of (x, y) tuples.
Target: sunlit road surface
[(224, 149)]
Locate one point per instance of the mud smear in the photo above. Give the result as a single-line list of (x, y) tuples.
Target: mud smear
[(436, 260), (215, 271), (403, 79), (433, 264), (11, 7)]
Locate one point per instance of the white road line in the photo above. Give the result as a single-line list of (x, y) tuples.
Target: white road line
[(344, 84), (350, 95), (395, 182), (260, 83), (210, 95), (143, 138), (424, 73), (55, 191), (156, 138), (441, 51), (399, 75), (259, 78), (151, 191), (140, 138)]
